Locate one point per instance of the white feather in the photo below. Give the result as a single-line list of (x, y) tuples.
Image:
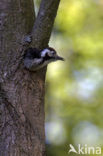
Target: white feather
[(44, 52)]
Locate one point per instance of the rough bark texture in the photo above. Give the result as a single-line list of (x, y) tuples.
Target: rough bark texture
[(44, 23), (21, 91)]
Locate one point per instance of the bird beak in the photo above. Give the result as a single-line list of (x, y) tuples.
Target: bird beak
[(59, 58)]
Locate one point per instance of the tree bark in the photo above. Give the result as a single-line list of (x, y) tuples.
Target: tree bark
[(22, 92)]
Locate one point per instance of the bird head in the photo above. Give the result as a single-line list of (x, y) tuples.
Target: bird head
[(50, 54)]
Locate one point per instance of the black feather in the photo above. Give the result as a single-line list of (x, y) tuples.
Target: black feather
[(32, 53)]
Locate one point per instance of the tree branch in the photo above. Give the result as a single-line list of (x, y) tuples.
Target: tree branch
[(44, 23)]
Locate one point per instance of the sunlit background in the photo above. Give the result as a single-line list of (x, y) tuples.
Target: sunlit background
[(74, 88)]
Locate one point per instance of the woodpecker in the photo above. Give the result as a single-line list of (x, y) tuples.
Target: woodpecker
[(35, 59)]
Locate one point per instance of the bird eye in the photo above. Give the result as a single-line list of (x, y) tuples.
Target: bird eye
[(53, 52)]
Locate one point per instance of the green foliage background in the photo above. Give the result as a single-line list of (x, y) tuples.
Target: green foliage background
[(74, 88)]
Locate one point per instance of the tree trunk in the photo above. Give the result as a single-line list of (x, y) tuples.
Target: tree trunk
[(21, 91)]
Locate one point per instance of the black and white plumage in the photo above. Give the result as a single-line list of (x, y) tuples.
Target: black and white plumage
[(35, 59)]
